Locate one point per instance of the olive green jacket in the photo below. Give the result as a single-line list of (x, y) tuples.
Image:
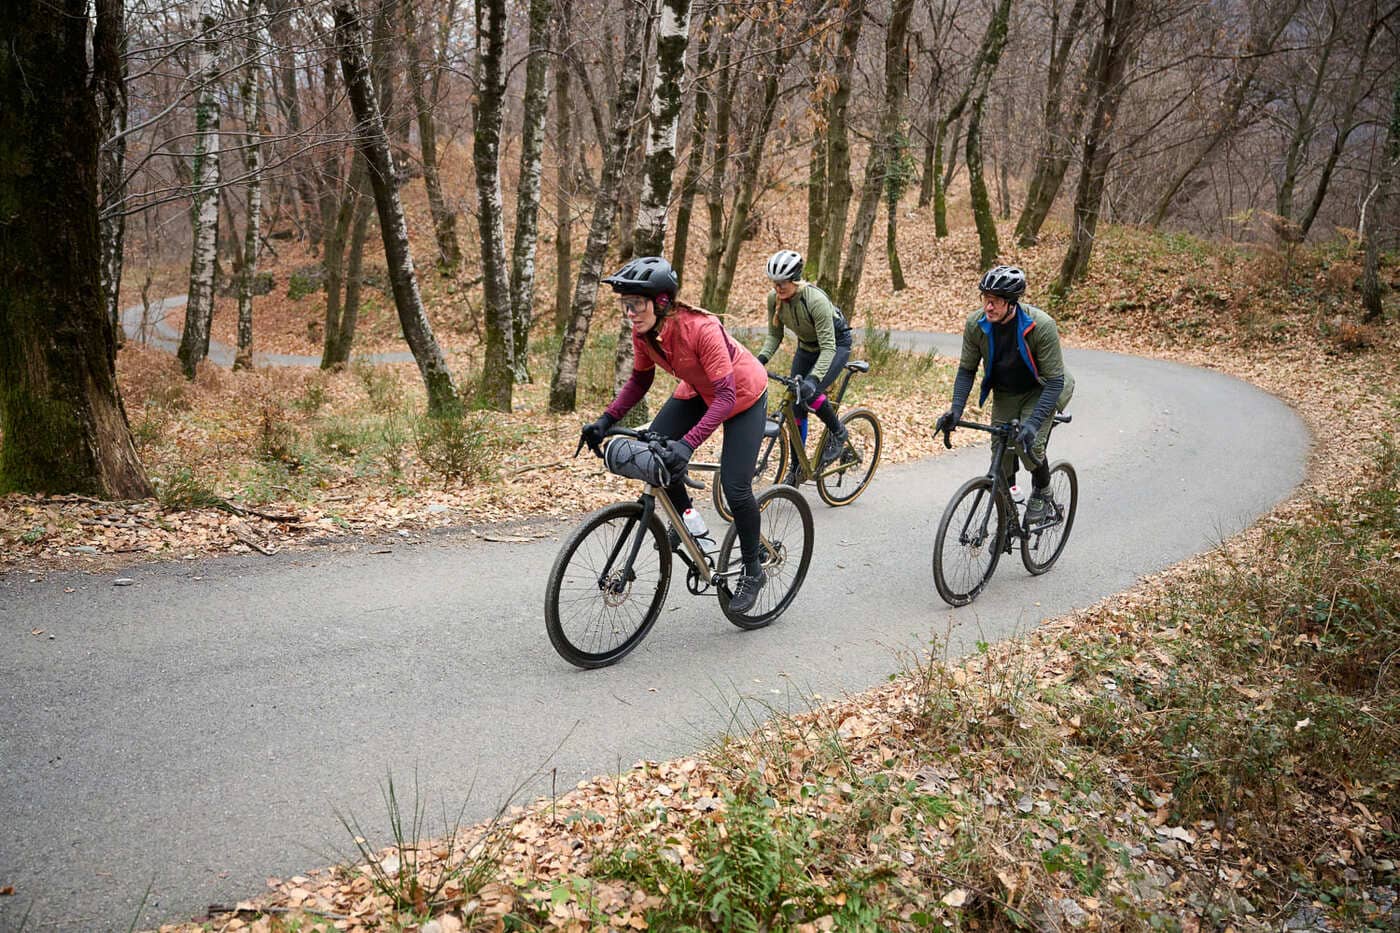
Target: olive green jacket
[(812, 317), (1037, 340)]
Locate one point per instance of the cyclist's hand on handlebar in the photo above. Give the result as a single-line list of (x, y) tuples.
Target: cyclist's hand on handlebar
[(676, 455), (946, 424), (1025, 437), (594, 432)]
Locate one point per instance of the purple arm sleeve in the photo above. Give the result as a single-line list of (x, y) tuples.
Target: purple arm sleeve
[(720, 409), (632, 392)]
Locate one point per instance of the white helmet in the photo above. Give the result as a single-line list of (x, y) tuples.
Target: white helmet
[(785, 266)]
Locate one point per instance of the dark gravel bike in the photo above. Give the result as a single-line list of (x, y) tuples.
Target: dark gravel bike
[(608, 585), (982, 521), (783, 458)]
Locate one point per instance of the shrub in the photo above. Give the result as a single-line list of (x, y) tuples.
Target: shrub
[(456, 448)]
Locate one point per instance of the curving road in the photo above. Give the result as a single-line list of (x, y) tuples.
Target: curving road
[(198, 729)]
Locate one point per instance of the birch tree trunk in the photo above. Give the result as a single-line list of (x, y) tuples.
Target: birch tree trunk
[(1116, 44), (700, 125), (981, 204), (563, 388), (667, 88), (199, 309), (564, 154), (373, 145), (444, 220), (881, 158), (838, 153), (498, 374), (109, 43), (527, 200), (63, 428), (250, 93)]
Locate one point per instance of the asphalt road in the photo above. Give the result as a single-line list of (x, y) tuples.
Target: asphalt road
[(197, 731)]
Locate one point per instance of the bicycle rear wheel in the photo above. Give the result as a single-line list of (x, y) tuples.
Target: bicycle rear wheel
[(970, 539), (846, 478), (594, 614), (785, 538), (1041, 545), (768, 471)]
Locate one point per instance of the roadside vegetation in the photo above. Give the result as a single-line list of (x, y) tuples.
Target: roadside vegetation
[(1215, 749)]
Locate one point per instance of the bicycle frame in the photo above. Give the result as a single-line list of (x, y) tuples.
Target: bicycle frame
[(791, 433), (1001, 440)]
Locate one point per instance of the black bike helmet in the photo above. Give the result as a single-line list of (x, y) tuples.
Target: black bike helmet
[(647, 275), (1007, 282), (785, 266)]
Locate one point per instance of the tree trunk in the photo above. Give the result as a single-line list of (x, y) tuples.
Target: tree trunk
[(989, 58), (527, 202), (363, 201), (333, 261), (881, 159), (1051, 161), (930, 172), (838, 153), (700, 125), (892, 239), (63, 428), (564, 153), (306, 180), (1116, 47), (250, 93), (750, 164), (563, 389), (199, 310), (667, 89), (714, 192), (817, 188), (1372, 215), (498, 374), (444, 219), (373, 145), (1344, 126), (1267, 24), (109, 42), (1303, 130)]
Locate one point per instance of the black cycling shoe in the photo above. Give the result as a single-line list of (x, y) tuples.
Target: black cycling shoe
[(746, 591), (835, 444)]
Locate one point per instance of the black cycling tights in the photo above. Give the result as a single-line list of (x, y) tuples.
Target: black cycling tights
[(742, 435)]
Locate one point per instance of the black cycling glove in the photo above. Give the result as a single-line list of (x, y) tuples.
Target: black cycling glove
[(594, 432)]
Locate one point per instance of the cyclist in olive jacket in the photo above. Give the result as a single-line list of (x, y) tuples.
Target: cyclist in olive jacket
[(1018, 346), (823, 342)]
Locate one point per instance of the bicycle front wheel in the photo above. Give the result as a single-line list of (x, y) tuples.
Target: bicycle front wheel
[(848, 475), (970, 539), (595, 611), (1042, 543), (772, 464), (785, 542)]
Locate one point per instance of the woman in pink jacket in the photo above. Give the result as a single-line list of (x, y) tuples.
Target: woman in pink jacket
[(721, 383)]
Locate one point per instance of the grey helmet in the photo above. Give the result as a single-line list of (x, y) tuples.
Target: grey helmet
[(1007, 282), (785, 266), (647, 275)]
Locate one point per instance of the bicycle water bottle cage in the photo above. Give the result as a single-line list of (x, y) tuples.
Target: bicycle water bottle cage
[(636, 459)]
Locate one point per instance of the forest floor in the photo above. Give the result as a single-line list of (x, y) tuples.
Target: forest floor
[(1213, 749)]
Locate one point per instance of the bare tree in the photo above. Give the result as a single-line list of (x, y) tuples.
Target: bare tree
[(109, 44), (563, 389), (373, 144), (1374, 210), (444, 219), (199, 308), (827, 269), (527, 202), (1053, 157), (700, 124), (563, 146), (981, 206), (719, 168), (62, 424), (1116, 45), (498, 373), (250, 92), (883, 154)]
